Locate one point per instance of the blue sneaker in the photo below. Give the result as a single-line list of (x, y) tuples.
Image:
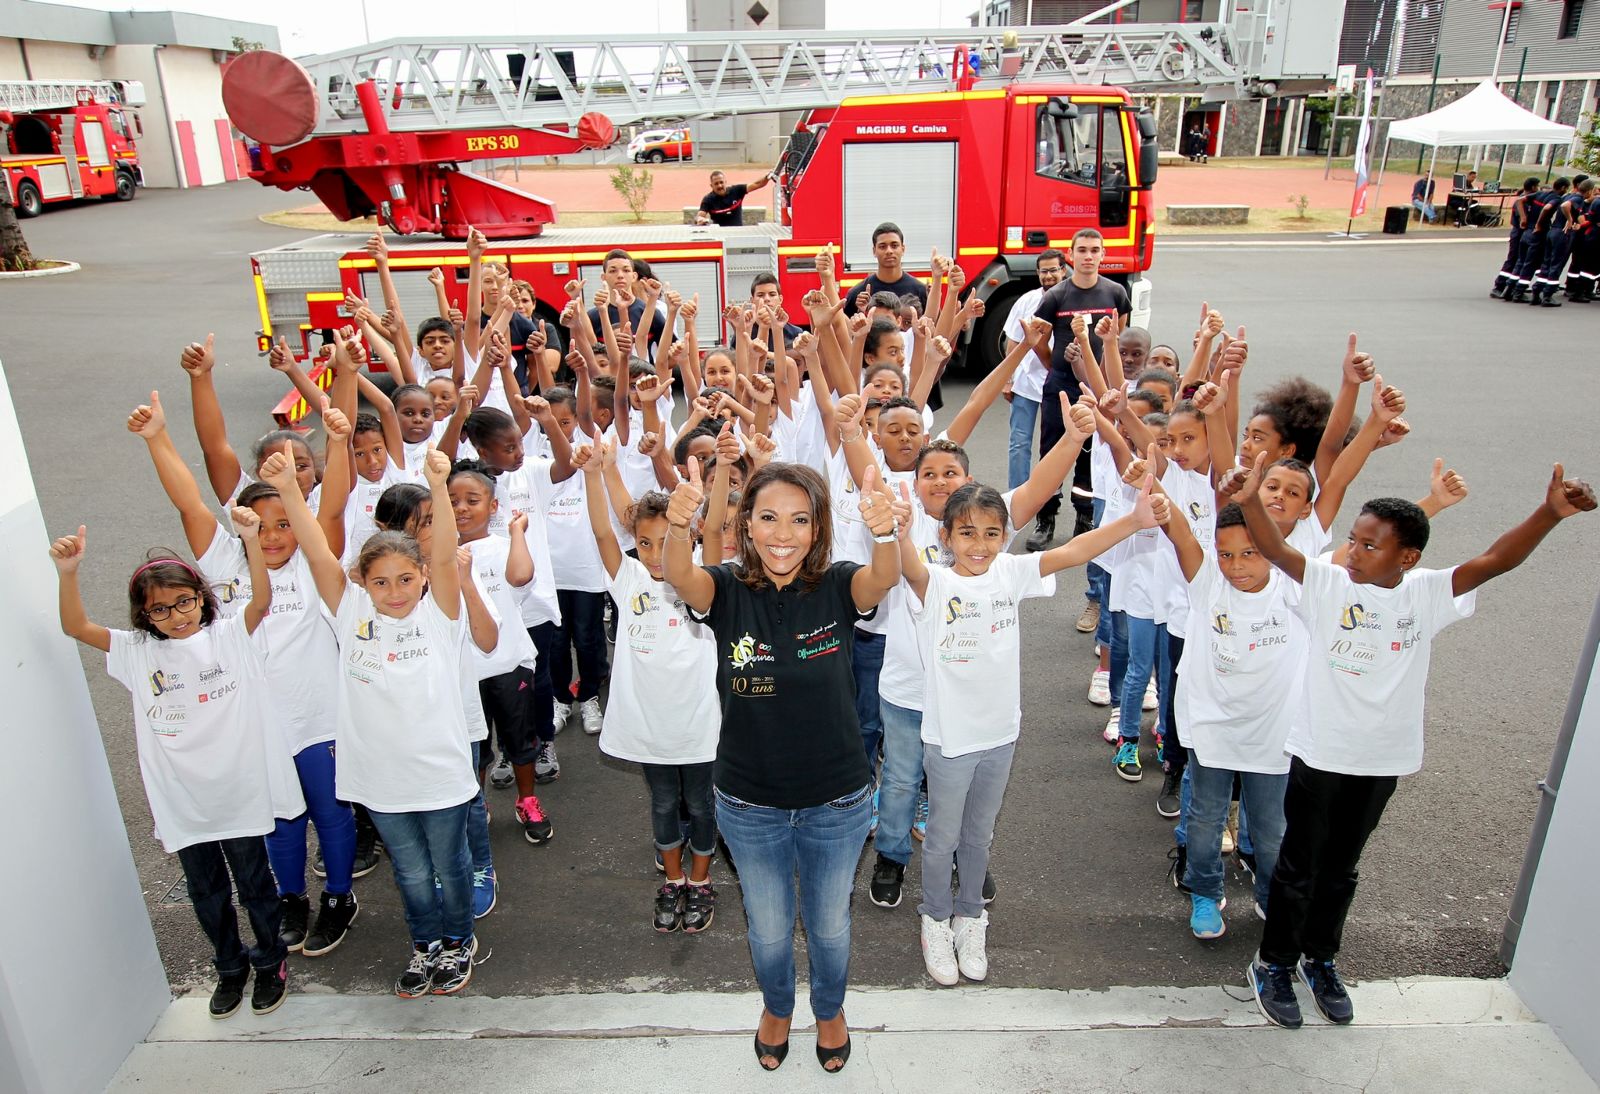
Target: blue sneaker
[(1205, 917), (1327, 990), (1126, 761), (485, 891), (1273, 986), (919, 827), (874, 828)]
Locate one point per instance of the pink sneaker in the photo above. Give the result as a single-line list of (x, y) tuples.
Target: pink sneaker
[(535, 826)]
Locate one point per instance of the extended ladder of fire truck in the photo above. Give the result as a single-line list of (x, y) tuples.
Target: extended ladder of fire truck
[(472, 82), (27, 96)]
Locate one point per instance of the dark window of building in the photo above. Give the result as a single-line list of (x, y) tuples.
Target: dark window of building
[(1511, 25), (1193, 11), (1571, 16)]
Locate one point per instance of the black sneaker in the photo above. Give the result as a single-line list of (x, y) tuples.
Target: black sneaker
[(229, 995), (1179, 857), (1327, 990), (989, 890), (699, 906), (668, 915), (1044, 530), (887, 878), (608, 620), (1273, 986), (295, 909), (417, 980), (452, 968), (334, 917), (271, 987), (1168, 803), (318, 867)]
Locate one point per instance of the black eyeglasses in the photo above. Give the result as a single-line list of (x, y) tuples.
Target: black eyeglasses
[(161, 611)]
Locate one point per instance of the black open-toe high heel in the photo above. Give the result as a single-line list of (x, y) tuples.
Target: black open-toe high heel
[(778, 1052), (826, 1056)]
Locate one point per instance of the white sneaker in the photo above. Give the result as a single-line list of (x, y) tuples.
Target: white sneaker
[(1100, 688), (589, 711), (939, 951), (969, 936), (1151, 698), (1113, 726)]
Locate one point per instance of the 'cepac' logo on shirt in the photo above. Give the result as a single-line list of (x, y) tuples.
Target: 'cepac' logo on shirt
[(747, 651)]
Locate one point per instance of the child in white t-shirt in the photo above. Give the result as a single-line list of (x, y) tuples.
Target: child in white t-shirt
[(968, 617), (301, 669), (1372, 622), (404, 747), (216, 771), (664, 712), (1238, 691)]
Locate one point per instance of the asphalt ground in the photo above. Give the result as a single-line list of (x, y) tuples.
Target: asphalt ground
[(1079, 854)]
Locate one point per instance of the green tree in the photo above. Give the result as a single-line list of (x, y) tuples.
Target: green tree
[(634, 186), (1587, 157)]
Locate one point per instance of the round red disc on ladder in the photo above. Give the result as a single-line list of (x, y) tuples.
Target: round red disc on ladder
[(270, 98), (595, 130)]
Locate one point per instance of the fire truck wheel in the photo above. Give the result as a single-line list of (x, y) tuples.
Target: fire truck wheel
[(28, 201), (125, 186)]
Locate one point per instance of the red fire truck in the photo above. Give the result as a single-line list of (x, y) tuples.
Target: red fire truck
[(61, 140), (987, 177)]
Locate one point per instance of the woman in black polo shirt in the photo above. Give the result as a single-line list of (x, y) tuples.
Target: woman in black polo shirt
[(793, 788)]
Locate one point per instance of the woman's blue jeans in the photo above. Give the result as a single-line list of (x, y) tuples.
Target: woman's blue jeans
[(421, 846), (822, 844)]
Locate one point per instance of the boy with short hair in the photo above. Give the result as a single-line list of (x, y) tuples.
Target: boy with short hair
[(1372, 622)]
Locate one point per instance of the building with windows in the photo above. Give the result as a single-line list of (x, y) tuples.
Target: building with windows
[(1548, 59), (186, 138), (1554, 44)]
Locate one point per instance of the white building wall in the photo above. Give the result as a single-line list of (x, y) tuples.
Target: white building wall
[(194, 94), (11, 66), (61, 61), (157, 152)]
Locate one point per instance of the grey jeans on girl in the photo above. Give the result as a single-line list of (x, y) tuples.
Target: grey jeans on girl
[(964, 798)]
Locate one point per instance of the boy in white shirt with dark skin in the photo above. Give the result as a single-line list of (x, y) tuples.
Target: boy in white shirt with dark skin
[(1372, 621)]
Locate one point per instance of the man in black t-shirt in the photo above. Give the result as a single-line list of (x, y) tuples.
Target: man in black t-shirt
[(889, 248), (724, 206), (1088, 294)]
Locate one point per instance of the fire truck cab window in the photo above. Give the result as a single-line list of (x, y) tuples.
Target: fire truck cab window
[(118, 123), (1068, 146)]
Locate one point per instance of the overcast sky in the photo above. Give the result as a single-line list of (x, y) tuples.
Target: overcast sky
[(319, 26)]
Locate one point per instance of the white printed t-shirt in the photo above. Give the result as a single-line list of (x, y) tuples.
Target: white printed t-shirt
[(664, 707), (402, 736), (213, 766), (359, 526), (302, 657), (528, 490), (971, 638), (515, 649), (1239, 680), (1367, 668)]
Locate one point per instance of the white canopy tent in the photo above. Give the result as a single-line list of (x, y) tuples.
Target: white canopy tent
[(1483, 116)]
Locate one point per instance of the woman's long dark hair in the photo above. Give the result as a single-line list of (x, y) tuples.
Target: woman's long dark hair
[(815, 564)]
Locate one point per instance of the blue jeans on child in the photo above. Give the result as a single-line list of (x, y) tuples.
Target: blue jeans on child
[(866, 661), (421, 846), (1112, 633), (674, 790), (1207, 814), (336, 828), (478, 818), (823, 844), (901, 781), (206, 867), (1019, 450), (1146, 639), (964, 798)]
